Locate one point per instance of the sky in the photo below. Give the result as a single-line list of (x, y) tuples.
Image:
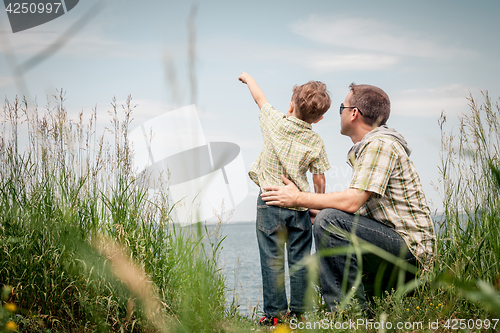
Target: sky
[(428, 56)]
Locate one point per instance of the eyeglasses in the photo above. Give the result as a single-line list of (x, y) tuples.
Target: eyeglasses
[(342, 107)]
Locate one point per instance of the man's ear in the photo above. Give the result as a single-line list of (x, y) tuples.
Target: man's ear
[(292, 107), (355, 114)]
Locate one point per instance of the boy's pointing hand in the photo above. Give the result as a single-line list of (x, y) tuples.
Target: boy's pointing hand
[(257, 94), (244, 77)]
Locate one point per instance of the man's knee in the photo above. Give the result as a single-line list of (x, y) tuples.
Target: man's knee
[(328, 217), (327, 221)]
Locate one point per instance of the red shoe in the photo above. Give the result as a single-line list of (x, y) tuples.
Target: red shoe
[(268, 321)]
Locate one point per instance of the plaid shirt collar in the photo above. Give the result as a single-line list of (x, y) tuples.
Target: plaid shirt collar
[(299, 122), (353, 153)]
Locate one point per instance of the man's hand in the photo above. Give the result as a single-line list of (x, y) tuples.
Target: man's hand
[(348, 201), (286, 196)]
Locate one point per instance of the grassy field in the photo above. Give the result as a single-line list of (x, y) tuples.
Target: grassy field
[(83, 249)]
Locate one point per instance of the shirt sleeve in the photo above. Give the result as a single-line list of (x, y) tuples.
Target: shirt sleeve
[(269, 116), (321, 164), (373, 167)]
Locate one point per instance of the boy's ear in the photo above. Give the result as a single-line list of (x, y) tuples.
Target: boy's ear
[(318, 120), (292, 107)]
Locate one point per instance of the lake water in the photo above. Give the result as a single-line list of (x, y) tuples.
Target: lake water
[(240, 261)]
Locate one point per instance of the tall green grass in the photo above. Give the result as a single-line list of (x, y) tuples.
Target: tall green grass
[(469, 243), (82, 246), (83, 249), (470, 235)]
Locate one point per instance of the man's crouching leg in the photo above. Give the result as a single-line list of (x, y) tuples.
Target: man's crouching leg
[(333, 269)]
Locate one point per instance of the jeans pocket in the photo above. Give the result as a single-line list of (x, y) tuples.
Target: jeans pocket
[(268, 218), (301, 220)]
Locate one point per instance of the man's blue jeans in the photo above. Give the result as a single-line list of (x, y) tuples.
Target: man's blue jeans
[(276, 227), (378, 274)]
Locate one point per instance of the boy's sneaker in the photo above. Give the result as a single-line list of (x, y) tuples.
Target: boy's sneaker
[(295, 315), (268, 321)]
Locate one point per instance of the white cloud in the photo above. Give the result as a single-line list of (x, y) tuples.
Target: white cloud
[(430, 102), (318, 59), (329, 62), (373, 35)]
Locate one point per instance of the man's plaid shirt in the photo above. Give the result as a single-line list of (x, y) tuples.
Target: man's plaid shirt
[(383, 167), (290, 148)]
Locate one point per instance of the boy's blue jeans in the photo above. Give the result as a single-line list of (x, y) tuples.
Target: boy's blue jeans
[(276, 227), (378, 274)]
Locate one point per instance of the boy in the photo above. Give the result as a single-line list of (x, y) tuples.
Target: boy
[(290, 149)]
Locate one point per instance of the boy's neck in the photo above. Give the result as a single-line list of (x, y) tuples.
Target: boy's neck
[(292, 113)]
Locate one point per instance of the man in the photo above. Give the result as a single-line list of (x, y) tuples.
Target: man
[(384, 204)]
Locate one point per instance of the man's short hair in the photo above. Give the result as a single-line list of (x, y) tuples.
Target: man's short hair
[(311, 100), (373, 103)]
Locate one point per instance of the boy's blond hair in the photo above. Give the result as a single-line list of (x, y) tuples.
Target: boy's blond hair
[(311, 100)]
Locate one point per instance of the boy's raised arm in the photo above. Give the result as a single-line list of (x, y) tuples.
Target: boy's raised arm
[(256, 92)]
